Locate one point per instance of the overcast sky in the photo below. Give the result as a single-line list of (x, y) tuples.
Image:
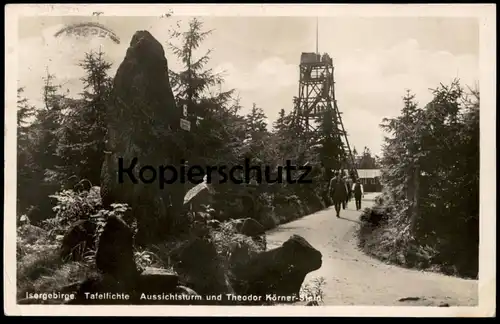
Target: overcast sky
[(375, 59)]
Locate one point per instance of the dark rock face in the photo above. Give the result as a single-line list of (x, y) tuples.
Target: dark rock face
[(142, 120), (115, 252), (240, 254), (199, 267), (278, 271), (77, 240)]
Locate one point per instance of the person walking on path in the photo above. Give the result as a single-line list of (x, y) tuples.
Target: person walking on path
[(358, 191), (349, 184), (338, 191)]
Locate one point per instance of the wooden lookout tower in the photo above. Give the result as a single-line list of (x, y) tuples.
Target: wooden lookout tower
[(316, 105)]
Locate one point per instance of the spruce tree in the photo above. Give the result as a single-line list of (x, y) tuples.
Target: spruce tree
[(199, 89), (44, 160), (81, 147), (25, 163)]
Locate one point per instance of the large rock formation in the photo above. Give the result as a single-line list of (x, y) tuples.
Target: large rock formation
[(143, 122), (279, 271)]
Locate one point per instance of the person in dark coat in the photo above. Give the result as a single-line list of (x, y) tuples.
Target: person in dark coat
[(338, 191), (358, 193)]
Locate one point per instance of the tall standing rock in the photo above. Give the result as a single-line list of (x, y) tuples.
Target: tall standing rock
[(143, 122)]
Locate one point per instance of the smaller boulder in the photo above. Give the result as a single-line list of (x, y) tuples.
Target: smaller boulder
[(115, 253), (239, 254), (249, 227), (79, 239)]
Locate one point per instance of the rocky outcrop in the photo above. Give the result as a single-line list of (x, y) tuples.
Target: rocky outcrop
[(200, 271), (279, 271), (143, 122)]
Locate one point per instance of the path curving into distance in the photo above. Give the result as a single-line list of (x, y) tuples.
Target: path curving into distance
[(354, 278)]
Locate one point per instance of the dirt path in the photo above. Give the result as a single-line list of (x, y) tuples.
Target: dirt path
[(353, 278)]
